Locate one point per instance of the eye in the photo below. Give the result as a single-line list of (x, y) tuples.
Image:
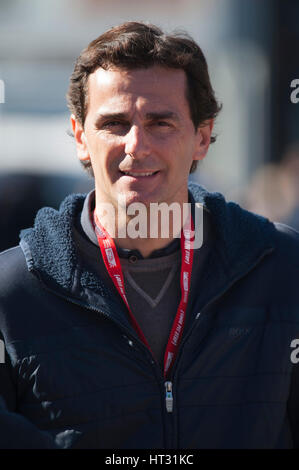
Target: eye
[(112, 124), (161, 123)]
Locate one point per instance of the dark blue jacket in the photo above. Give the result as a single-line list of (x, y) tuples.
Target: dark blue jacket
[(76, 374)]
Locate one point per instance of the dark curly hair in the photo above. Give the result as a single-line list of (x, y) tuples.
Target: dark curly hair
[(135, 45)]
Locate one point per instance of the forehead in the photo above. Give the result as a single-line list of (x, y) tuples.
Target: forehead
[(157, 87)]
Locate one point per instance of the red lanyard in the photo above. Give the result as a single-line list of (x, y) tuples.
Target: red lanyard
[(113, 266)]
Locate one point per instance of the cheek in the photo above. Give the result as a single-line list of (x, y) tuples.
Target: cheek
[(180, 157), (105, 152)]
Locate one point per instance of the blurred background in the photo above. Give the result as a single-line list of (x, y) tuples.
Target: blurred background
[(252, 51)]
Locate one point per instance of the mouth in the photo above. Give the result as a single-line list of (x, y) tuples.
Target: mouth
[(140, 174)]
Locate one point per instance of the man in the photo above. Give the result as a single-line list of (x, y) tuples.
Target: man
[(118, 341)]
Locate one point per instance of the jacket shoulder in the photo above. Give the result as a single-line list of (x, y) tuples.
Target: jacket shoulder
[(287, 233), (12, 258), (13, 270), (287, 242)]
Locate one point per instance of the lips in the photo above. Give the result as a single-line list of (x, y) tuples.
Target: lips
[(138, 174)]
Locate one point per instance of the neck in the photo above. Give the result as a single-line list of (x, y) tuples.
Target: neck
[(148, 229)]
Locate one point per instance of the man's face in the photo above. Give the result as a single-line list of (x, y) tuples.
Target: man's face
[(139, 136)]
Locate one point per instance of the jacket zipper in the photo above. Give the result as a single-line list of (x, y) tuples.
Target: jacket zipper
[(168, 396)]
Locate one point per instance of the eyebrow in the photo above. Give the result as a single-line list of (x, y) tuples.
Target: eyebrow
[(106, 116), (163, 115), (150, 116)]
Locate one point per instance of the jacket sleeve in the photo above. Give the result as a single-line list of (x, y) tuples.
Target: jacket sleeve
[(16, 432)]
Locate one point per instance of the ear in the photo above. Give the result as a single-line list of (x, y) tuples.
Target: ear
[(203, 139), (80, 138)]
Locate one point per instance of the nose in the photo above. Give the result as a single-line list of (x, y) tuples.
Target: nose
[(136, 142)]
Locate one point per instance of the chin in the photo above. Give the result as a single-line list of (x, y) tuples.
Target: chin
[(140, 198), (132, 196)]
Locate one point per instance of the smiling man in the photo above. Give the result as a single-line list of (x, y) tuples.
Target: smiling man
[(140, 140), (120, 341)]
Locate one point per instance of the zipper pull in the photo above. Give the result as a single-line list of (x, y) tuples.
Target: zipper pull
[(169, 397)]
